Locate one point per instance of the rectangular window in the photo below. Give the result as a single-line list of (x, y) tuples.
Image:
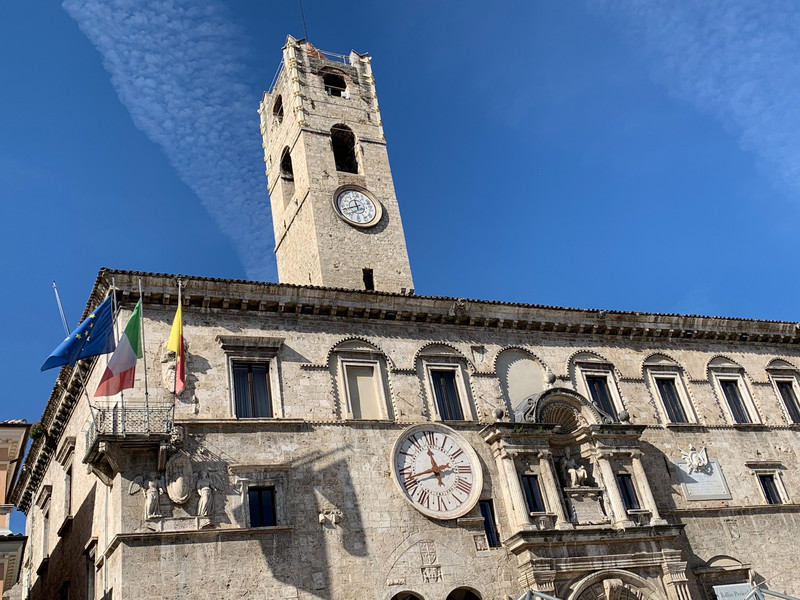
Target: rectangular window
[(533, 494), (90, 575), (770, 489), (446, 392), (489, 523), (598, 389), (45, 532), (262, 506), (362, 390), (669, 396), (730, 388), (68, 491), (625, 484), (786, 389), (251, 390)]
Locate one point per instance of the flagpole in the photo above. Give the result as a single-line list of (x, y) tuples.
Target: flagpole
[(144, 356), (61, 309), (178, 353), (116, 330)]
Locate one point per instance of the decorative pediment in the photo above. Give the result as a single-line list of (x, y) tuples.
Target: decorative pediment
[(563, 407)]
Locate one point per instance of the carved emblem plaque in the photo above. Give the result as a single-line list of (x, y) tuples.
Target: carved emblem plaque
[(706, 484), (179, 478)]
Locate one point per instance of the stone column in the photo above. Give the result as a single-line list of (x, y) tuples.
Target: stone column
[(644, 487), (512, 491), (675, 581), (620, 518), (553, 490)]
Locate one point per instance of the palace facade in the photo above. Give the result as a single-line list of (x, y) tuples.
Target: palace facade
[(341, 437)]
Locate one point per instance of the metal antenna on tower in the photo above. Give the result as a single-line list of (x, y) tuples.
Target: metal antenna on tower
[(303, 16)]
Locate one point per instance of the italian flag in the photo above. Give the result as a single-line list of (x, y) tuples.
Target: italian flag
[(175, 344), (121, 369)]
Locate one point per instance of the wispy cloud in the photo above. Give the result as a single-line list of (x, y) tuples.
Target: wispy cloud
[(734, 59), (178, 68)]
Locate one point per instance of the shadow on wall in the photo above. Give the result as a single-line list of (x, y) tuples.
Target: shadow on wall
[(65, 573)]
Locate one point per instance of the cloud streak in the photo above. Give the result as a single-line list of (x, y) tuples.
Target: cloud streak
[(176, 66), (735, 60)]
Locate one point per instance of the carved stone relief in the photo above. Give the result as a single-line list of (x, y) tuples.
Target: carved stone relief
[(179, 478)]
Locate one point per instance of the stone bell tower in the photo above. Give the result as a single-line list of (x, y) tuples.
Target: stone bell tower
[(334, 211)]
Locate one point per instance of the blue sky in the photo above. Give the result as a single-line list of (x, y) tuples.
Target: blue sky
[(618, 154)]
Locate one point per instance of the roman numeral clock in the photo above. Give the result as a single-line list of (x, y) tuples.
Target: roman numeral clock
[(437, 471)]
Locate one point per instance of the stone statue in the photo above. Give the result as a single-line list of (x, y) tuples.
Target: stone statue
[(205, 508), (574, 474), (151, 488)]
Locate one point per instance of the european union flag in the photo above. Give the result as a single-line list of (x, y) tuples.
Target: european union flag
[(93, 337)]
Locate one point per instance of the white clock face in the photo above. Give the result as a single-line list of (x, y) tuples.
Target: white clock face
[(357, 208), (437, 471)]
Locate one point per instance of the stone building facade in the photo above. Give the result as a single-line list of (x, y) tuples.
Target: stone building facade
[(349, 439)]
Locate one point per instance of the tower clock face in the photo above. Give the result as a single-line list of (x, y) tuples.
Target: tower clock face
[(437, 471), (356, 208)]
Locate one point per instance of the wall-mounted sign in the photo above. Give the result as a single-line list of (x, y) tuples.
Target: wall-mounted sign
[(707, 483), (734, 591)]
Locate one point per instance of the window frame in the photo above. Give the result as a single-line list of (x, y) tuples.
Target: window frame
[(773, 470), (735, 374), (345, 361), (464, 397), (254, 349), (273, 493), (490, 526), (236, 362), (606, 370), (621, 476), (261, 476), (778, 376), (522, 480), (654, 373)]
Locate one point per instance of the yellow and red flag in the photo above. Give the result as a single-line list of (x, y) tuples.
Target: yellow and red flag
[(175, 344)]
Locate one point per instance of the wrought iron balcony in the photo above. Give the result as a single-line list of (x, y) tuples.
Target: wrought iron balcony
[(123, 427)]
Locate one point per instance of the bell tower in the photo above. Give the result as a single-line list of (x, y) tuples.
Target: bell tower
[(334, 211)]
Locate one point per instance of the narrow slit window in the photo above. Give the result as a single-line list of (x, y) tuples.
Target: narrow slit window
[(786, 389), (369, 280), (533, 494), (251, 390), (261, 502), (628, 491), (489, 523), (446, 393), (770, 489), (730, 388), (277, 110), (601, 395), (672, 402), (343, 143)]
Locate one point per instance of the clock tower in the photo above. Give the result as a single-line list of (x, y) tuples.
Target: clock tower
[(334, 211)]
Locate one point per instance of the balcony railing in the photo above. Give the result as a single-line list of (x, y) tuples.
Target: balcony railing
[(121, 423)]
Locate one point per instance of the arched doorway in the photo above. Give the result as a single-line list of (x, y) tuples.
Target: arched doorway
[(463, 594), (407, 596)]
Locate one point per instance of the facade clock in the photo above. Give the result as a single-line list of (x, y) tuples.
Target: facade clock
[(356, 208), (437, 471)]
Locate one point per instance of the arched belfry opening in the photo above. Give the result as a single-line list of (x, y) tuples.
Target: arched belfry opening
[(286, 164), (343, 143), (335, 84), (277, 110)]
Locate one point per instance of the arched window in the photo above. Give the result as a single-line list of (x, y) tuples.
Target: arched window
[(277, 110), (666, 382), (286, 164), (463, 594), (335, 85), (343, 142), (406, 596)]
